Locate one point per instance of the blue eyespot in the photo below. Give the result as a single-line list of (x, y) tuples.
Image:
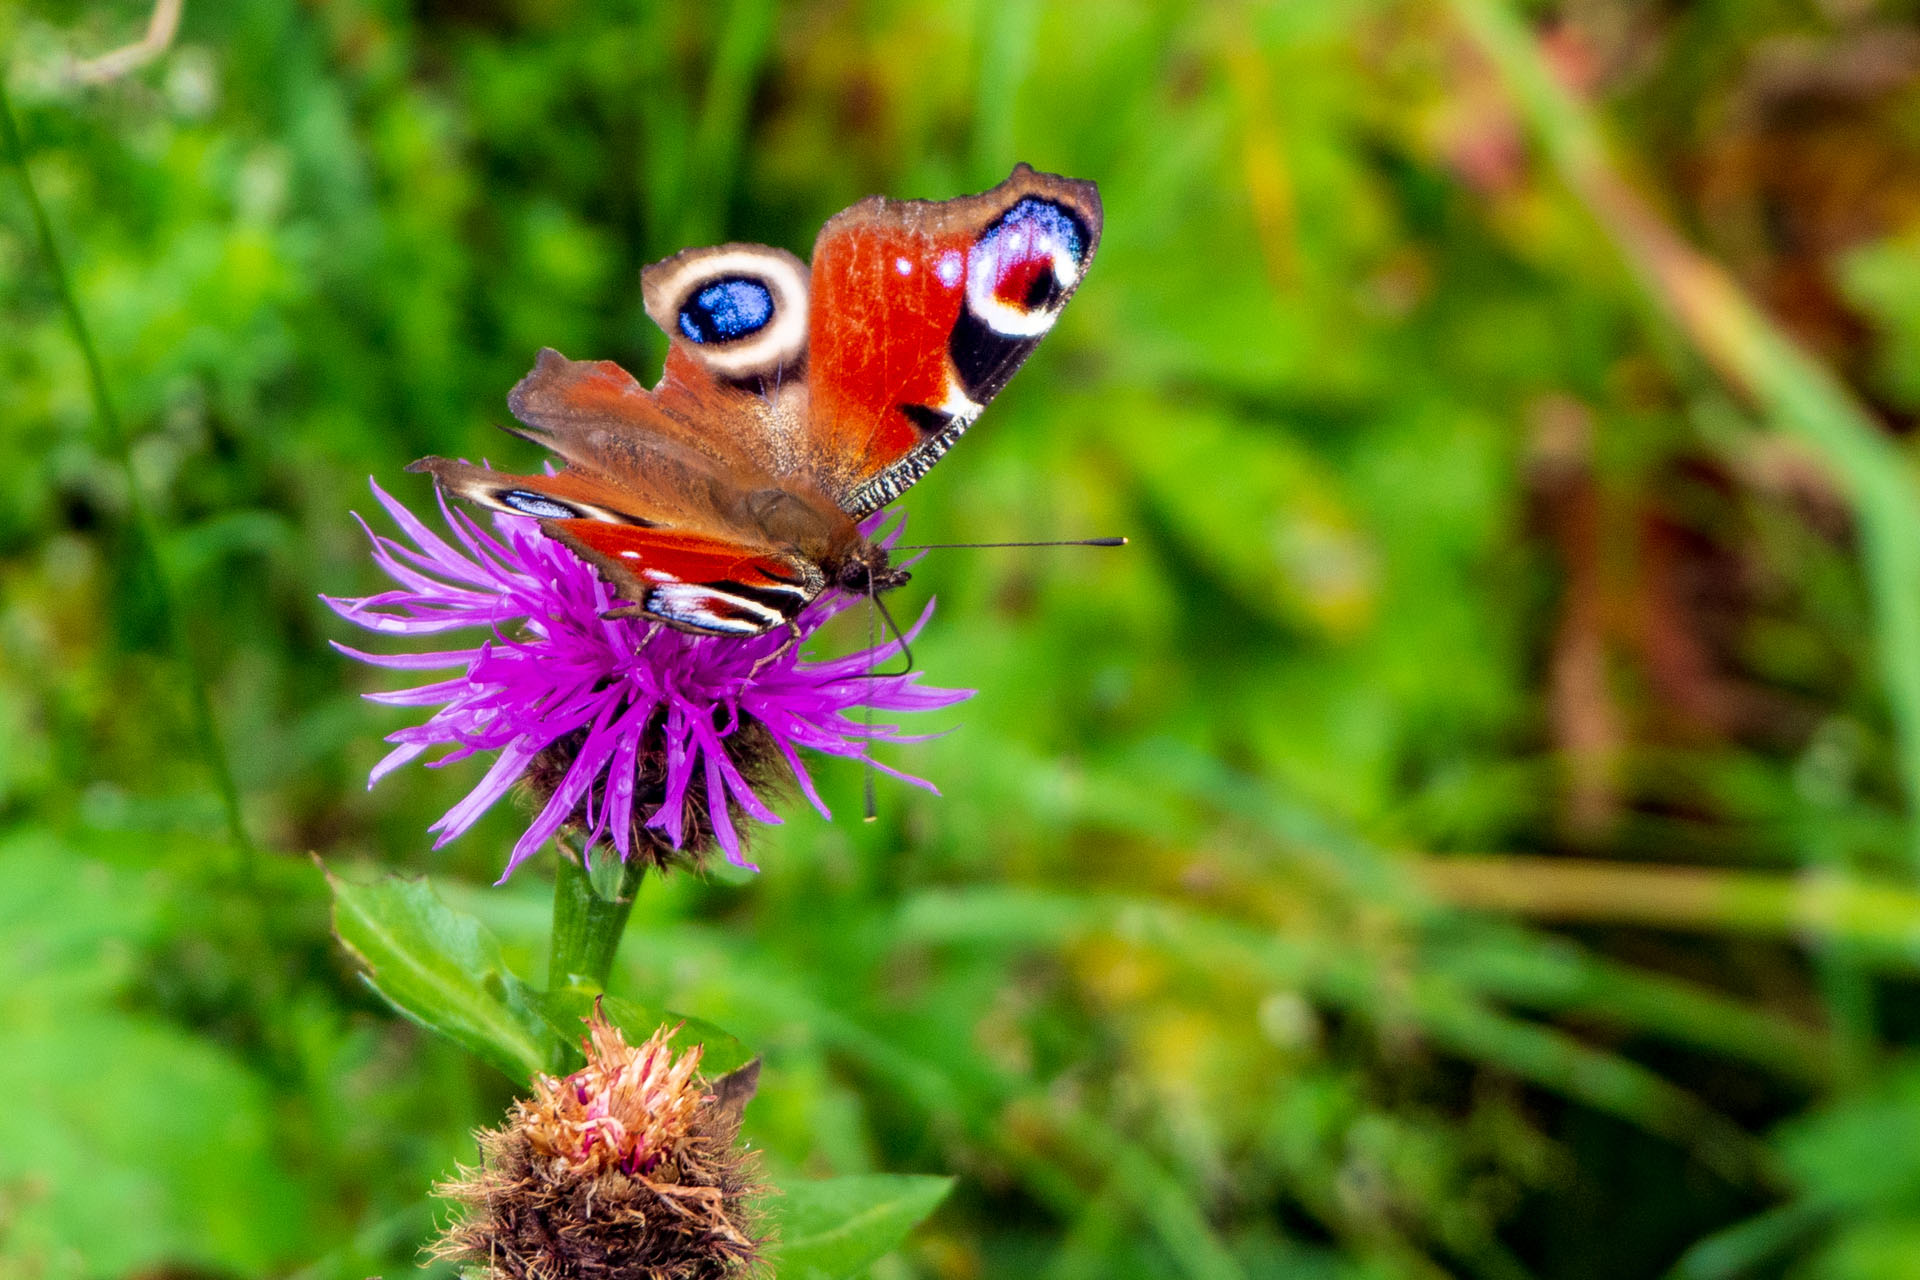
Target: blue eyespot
[(726, 310), (534, 504), (1046, 223)]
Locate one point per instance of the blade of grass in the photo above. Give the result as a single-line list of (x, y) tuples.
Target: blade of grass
[(1753, 1243), (1604, 1081), (1157, 1196), (1555, 976), (1536, 973), (713, 156), (1005, 32), (1443, 1010), (1264, 166), (140, 522), (1795, 391), (1085, 1247), (1880, 921)]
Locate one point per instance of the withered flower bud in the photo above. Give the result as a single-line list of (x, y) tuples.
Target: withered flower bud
[(628, 1168)]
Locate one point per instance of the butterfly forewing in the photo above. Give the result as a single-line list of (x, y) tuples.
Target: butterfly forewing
[(921, 313)]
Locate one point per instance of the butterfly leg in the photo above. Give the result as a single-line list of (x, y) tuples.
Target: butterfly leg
[(793, 638)]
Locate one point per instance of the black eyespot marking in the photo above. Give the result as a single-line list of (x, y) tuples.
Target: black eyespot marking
[(765, 384), (726, 310), (782, 602), (538, 505), (930, 420), (984, 357), (709, 609), (1042, 292)]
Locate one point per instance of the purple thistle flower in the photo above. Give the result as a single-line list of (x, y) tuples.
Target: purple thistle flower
[(627, 730)]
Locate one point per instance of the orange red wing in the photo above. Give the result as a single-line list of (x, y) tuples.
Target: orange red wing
[(920, 313), (701, 582), (696, 583)]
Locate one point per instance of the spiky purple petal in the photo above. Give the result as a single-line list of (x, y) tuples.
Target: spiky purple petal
[(552, 666)]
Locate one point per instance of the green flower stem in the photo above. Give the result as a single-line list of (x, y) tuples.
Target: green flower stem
[(586, 925), (140, 525)]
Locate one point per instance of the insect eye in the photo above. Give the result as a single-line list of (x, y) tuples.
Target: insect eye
[(726, 310)]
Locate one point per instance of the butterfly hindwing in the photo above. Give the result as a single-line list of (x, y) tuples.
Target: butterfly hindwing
[(921, 312), (695, 583), (706, 583), (597, 417)]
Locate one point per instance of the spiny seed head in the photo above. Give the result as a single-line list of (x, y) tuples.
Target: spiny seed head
[(628, 1168)]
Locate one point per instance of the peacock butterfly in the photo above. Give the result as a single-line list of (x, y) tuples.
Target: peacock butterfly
[(793, 401)]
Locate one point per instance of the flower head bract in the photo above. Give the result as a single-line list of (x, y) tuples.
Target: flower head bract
[(631, 1166), (625, 730)]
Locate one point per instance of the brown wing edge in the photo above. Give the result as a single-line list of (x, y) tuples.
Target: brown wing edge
[(1080, 195)]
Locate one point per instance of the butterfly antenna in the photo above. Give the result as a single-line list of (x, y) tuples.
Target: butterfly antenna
[(871, 810), (906, 650), (963, 546)]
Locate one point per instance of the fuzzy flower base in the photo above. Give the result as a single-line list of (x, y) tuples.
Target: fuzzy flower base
[(624, 730), (625, 1169)]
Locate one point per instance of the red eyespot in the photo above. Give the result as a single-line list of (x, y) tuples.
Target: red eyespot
[(1026, 282)]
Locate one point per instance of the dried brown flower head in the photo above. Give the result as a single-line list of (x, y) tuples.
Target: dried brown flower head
[(628, 1168)]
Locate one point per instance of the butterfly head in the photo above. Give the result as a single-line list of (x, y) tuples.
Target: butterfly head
[(868, 571)]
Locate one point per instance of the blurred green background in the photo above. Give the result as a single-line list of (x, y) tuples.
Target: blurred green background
[(1470, 831)]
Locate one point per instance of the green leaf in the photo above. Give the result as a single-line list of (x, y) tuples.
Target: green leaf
[(837, 1228), (442, 969)]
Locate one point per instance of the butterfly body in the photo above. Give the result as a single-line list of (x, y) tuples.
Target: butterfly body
[(794, 401)]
